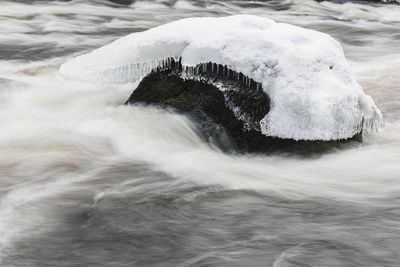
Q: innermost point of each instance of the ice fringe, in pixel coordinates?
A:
(304, 72)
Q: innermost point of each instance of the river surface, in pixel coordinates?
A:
(88, 181)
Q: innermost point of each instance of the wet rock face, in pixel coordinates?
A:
(208, 108)
(205, 104)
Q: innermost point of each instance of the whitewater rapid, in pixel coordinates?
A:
(86, 180)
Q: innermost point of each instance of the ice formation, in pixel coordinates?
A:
(304, 72)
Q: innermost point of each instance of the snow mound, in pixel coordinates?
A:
(313, 94)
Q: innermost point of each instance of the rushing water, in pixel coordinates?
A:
(87, 181)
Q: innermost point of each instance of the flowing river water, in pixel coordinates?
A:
(88, 181)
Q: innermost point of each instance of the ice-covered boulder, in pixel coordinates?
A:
(313, 94)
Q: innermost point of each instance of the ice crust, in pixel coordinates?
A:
(313, 94)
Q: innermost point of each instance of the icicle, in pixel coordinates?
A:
(177, 65)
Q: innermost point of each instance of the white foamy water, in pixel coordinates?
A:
(86, 180)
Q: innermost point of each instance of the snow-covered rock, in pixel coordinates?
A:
(313, 94)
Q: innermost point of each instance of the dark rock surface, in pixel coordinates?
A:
(204, 103)
(206, 106)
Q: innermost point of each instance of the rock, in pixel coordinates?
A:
(207, 107)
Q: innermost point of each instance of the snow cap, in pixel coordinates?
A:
(313, 94)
